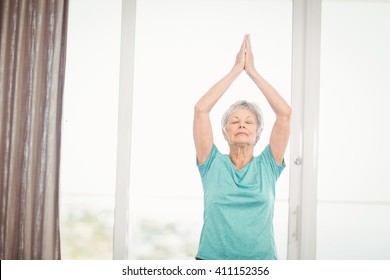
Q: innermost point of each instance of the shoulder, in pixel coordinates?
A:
(213, 156)
(268, 162)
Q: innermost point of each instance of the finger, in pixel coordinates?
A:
(248, 44)
(243, 45)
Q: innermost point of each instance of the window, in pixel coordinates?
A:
(354, 137)
(89, 129)
(183, 48)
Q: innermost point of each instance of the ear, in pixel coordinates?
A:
(224, 134)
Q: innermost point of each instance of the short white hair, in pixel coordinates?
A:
(243, 104)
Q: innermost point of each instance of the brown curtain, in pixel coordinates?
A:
(32, 62)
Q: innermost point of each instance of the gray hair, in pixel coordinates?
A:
(242, 104)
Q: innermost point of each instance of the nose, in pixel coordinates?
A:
(242, 125)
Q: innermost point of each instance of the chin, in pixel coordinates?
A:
(239, 143)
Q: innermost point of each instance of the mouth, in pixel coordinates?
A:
(241, 133)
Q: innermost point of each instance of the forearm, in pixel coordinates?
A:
(207, 101)
(276, 101)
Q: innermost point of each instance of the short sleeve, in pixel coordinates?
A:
(269, 161)
(204, 167)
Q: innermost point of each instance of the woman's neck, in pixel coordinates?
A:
(240, 155)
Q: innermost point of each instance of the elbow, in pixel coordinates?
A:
(200, 108)
(197, 108)
(286, 113)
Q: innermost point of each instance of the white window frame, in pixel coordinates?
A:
(304, 129)
(126, 78)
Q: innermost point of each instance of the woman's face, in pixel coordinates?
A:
(241, 128)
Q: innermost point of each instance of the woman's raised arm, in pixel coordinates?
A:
(281, 129)
(202, 131)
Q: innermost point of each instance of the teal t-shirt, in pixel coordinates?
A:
(238, 207)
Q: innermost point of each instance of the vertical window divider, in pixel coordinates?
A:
(126, 79)
(304, 126)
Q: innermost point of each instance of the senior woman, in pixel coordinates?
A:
(239, 188)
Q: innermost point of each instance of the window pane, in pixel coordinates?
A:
(353, 183)
(353, 231)
(89, 129)
(182, 49)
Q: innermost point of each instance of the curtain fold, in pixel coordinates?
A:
(32, 68)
